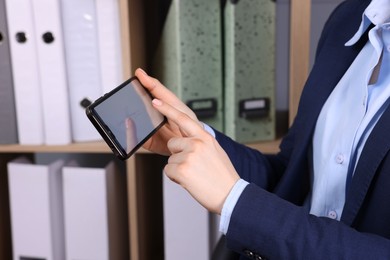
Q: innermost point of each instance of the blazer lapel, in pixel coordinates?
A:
(374, 151)
(332, 61)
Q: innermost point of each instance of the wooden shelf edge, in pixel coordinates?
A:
(266, 147)
(101, 147)
(82, 147)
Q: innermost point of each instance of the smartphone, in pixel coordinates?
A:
(125, 117)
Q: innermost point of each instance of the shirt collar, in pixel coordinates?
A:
(377, 13)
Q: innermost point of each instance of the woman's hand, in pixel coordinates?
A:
(158, 142)
(197, 162)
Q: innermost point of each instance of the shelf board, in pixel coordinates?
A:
(266, 147)
(82, 147)
(270, 147)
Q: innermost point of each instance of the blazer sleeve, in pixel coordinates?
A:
(252, 165)
(272, 228)
(263, 224)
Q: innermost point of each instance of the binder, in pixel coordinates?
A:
(189, 229)
(95, 213)
(82, 63)
(108, 27)
(188, 58)
(249, 27)
(52, 71)
(8, 130)
(36, 210)
(25, 71)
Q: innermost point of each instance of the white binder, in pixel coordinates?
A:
(110, 51)
(95, 213)
(25, 71)
(51, 59)
(82, 63)
(36, 210)
(189, 229)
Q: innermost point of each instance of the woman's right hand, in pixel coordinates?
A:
(158, 142)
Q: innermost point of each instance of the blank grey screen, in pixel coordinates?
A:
(129, 103)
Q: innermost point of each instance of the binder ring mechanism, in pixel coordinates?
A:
(254, 108)
(21, 37)
(48, 37)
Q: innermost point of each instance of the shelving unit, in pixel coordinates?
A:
(144, 178)
(299, 51)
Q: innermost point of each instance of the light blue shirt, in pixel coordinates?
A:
(361, 95)
(346, 121)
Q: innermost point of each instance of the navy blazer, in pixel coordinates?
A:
(269, 220)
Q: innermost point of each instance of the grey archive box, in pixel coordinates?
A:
(189, 57)
(8, 121)
(249, 27)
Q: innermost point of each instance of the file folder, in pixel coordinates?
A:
(110, 50)
(8, 130)
(249, 27)
(95, 213)
(52, 71)
(82, 63)
(25, 71)
(189, 57)
(189, 229)
(36, 210)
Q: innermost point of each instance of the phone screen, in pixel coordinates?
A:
(125, 117)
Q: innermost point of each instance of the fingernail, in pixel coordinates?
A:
(157, 102)
(143, 71)
(128, 123)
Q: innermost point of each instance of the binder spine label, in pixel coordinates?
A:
(254, 108)
(204, 108)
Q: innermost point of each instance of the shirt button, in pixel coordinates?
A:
(249, 253)
(258, 257)
(332, 214)
(340, 158)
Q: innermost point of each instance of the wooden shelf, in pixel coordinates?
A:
(101, 147)
(80, 147)
(266, 147)
(83, 147)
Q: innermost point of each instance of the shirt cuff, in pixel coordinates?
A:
(230, 203)
(208, 129)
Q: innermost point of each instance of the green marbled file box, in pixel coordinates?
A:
(249, 27)
(188, 59)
